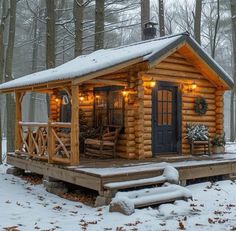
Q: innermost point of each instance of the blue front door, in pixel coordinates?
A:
(164, 117)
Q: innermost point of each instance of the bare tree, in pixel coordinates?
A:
(4, 14)
(78, 18)
(8, 76)
(51, 34)
(145, 15)
(161, 18)
(216, 30)
(232, 108)
(99, 25)
(197, 21)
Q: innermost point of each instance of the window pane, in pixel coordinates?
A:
(169, 119)
(165, 119)
(159, 95)
(169, 107)
(169, 96)
(159, 119)
(165, 107)
(165, 95)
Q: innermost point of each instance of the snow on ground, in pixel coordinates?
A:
(30, 207)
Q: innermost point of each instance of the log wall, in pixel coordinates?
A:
(177, 69)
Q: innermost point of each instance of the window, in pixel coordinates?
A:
(108, 106)
(164, 107)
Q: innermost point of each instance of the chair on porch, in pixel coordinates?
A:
(105, 145)
(197, 135)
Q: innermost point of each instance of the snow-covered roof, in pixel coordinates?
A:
(99, 60)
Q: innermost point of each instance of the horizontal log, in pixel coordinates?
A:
(147, 111)
(219, 104)
(147, 117)
(172, 59)
(177, 67)
(197, 118)
(148, 154)
(147, 97)
(199, 94)
(147, 104)
(193, 113)
(186, 106)
(147, 148)
(187, 99)
(220, 93)
(147, 142)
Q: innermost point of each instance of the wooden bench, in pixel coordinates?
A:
(105, 145)
(205, 143)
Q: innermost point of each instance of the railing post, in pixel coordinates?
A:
(18, 141)
(50, 142)
(75, 125)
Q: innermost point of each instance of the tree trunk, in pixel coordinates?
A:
(161, 18)
(51, 34)
(8, 76)
(51, 38)
(197, 21)
(216, 30)
(34, 65)
(99, 25)
(145, 15)
(78, 17)
(232, 106)
(2, 57)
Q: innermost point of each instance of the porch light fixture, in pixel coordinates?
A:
(81, 98)
(152, 84)
(149, 84)
(125, 92)
(194, 86)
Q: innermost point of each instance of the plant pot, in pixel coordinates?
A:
(218, 149)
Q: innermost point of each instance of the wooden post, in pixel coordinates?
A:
(75, 125)
(50, 135)
(18, 140)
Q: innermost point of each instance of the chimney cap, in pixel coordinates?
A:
(150, 24)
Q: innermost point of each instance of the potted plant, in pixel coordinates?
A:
(218, 143)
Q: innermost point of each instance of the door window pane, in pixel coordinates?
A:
(164, 107)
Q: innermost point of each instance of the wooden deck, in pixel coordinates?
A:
(94, 173)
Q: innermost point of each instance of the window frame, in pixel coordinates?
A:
(107, 90)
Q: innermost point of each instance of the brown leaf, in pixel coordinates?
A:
(181, 226)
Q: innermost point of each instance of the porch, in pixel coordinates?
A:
(95, 173)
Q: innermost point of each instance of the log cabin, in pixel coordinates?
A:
(148, 89)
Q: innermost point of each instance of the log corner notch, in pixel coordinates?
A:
(74, 124)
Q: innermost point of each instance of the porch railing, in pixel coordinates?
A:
(46, 141)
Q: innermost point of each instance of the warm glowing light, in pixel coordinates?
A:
(125, 93)
(152, 84)
(97, 96)
(194, 86)
(57, 100)
(81, 98)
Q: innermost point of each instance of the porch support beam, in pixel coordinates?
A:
(74, 124)
(18, 119)
(107, 82)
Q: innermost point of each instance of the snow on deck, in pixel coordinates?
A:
(150, 166)
(98, 60)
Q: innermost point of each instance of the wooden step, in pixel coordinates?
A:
(125, 202)
(170, 174)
